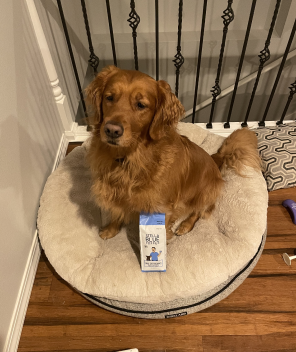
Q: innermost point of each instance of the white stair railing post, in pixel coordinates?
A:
(60, 98)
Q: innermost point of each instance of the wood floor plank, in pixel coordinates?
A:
(278, 196)
(42, 284)
(109, 336)
(267, 343)
(127, 347)
(62, 293)
(271, 264)
(47, 314)
(279, 221)
(281, 242)
(198, 324)
(256, 295)
(144, 349)
(72, 145)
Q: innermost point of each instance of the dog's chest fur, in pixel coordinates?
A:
(138, 182)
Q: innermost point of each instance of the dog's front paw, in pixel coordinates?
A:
(108, 233)
(184, 228)
(187, 225)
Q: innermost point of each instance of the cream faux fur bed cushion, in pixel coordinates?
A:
(215, 250)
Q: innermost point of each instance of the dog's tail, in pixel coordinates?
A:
(238, 150)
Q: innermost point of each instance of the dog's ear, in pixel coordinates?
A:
(94, 93)
(169, 111)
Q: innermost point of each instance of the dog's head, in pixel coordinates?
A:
(129, 106)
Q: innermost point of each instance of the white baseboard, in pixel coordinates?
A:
(23, 298)
(61, 151)
(22, 302)
(77, 134)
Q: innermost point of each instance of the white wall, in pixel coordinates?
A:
(30, 132)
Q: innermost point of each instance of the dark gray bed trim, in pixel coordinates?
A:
(221, 293)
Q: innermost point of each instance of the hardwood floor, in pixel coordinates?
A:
(258, 316)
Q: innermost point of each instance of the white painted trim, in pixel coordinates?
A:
(22, 302)
(77, 134)
(80, 134)
(62, 150)
(19, 314)
(61, 100)
(218, 127)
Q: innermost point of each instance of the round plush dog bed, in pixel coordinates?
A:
(203, 266)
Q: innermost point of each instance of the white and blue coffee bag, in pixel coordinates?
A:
(153, 242)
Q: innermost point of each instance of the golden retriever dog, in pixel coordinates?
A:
(139, 162)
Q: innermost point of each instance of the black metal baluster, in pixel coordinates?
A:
(157, 40)
(262, 122)
(264, 56)
(134, 21)
(227, 124)
(179, 59)
(111, 32)
(292, 92)
(227, 19)
(199, 56)
(93, 59)
(71, 55)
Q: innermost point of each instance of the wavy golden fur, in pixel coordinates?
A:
(138, 160)
(240, 149)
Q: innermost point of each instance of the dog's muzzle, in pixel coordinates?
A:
(113, 131)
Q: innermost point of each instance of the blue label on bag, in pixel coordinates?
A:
(152, 219)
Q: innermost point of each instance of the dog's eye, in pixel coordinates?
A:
(140, 105)
(109, 97)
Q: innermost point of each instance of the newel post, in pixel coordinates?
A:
(60, 99)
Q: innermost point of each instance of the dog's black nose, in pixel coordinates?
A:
(113, 129)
